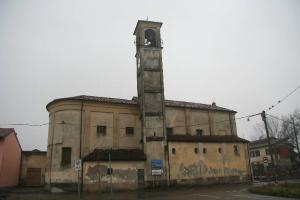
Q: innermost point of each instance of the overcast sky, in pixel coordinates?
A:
(244, 55)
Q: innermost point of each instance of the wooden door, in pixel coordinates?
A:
(34, 176)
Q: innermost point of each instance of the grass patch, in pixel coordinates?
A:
(282, 190)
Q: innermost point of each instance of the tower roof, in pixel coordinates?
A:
(146, 23)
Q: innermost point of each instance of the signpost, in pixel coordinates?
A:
(77, 165)
(265, 160)
(78, 168)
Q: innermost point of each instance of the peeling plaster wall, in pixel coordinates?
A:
(64, 131)
(186, 164)
(124, 177)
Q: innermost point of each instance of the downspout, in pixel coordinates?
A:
(169, 182)
(52, 147)
(80, 148)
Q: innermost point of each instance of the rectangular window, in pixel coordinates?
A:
(66, 156)
(129, 130)
(199, 132)
(252, 154)
(101, 130)
(169, 131)
(257, 153)
(236, 150)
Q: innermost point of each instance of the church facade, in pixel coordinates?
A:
(146, 141)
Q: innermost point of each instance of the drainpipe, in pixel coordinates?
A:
(80, 148)
(169, 170)
(52, 148)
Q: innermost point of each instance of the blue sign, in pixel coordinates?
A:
(156, 164)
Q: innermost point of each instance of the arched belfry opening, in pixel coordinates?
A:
(150, 38)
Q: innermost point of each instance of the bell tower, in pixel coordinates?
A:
(150, 88)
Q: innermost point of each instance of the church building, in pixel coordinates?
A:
(118, 144)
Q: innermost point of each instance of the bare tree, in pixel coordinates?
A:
(291, 127)
(285, 127)
(273, 125)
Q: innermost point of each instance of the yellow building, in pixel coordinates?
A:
(146, 141)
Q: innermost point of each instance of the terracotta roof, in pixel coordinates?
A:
(273, 141)
(35, 151)
(206, 138)
(5, 132)
(169, 103)
(116, 155)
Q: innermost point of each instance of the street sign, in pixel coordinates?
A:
(265, 159)
(156, 164)
(157, 172)
(77, 165)
(156, 167)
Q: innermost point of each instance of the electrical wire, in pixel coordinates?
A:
(284, 98)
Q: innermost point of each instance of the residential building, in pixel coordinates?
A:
(10, 158)
(283, 155)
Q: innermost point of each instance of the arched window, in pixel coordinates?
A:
(150, 40)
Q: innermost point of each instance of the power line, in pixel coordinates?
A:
(284, 98)
(275, 117)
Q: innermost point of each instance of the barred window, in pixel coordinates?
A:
(66, 156)
(129, 130)
(199, 132)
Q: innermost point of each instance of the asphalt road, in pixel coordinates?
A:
(228, 192)
(213, 192)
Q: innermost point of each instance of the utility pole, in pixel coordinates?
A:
(263, 116)
(295, 132)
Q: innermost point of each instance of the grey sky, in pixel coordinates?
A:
(244, 55)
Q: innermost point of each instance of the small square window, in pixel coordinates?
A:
(199, 132)
(204, 150)
(220, 150)
(196, 150)
(101, 130)
(109, 171)
(173, 150)
(129, 130)
(257, 153)
(169, 131)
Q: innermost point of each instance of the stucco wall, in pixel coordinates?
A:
(118, 117)
(186, 164)
(10, 155)
(33, 160)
